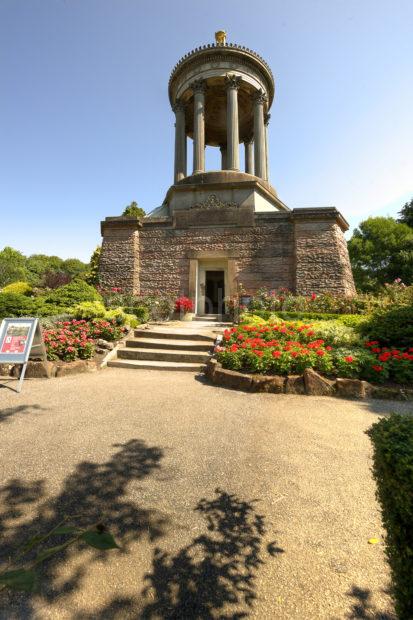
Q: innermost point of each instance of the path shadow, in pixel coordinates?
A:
(215, 571)
(95, 491)
(9, 412)
(363, 607)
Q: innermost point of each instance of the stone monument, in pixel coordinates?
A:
(219, 229)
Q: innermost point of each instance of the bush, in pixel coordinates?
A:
(335, 333)
(20, 288)
(392, 440)
(15, 305)
(55, 279)
(141, 313)
(49, 322)
(392, 328)
(73, 293)
(89, 310)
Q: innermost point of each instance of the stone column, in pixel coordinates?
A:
(198, 88)
(232, 84)
(249, 155)
(180, 141)
(259, 133)
(266, 123)
(223, 149)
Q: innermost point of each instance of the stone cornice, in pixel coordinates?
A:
(221, 52)
(320, 213)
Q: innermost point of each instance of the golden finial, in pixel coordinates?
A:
(221, 37)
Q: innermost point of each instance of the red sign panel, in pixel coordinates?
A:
(15, 338)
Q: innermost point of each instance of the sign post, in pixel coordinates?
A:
(18, 338)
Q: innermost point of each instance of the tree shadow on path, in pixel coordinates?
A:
(363, 607)
(217, 571)
(97, 492)
(9, 412)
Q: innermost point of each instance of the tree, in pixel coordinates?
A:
(12, 266)
(74, 267)
(381, 250)
(406, 214)
(39, 265)
(133, 210)
(92, 276)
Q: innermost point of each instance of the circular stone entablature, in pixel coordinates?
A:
(212, 63)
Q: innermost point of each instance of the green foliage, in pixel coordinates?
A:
(73, 293)
(141, 313)
(25, 578)
(392, 440)
(12, 266)
(351, 320)
(15, 305)
(406, 214)
(335, 333)
(49, 322)
(133, 210)
(92, 276)
(381, 250)
(89, 310)
(392, 327)
(21, 288)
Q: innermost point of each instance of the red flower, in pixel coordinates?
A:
(377, 368)
(320, 353)
(313, 296)
(276, 354)
(233, 348)
(259, 353)
(349, 359)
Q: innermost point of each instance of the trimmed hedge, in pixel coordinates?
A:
(18, 288)
(392, 440)
(73, 293)
(15, 304)
(351, 320)
(392, 328)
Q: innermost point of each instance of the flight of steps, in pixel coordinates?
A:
(154, 349)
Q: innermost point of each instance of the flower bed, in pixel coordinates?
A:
(76, 339)
(290, 348)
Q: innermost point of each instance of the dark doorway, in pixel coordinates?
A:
(214, 292)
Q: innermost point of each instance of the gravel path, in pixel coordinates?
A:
(226, 505)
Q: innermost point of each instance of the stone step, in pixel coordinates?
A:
(172, 334)
(163, 343)
(156, 365)
(207, 317)
(162, 355)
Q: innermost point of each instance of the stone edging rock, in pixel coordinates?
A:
(310, 383)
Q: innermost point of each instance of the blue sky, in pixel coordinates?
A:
(86, 126)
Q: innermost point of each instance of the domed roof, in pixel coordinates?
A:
(231, 53)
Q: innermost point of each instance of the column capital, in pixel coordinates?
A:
(249, 139)
(259, 97)
(179, 106)
(198, 86)
(267, 118)
(233, 81)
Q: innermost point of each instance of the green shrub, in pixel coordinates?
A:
(141, 313)
(73, 293)
(15, 305)
(335, 333)
(49, 322)
(356, 321)
(131, 320)
(20, 288)
(392, 440)
(42, 308)
(89, 310)
(392, 328)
